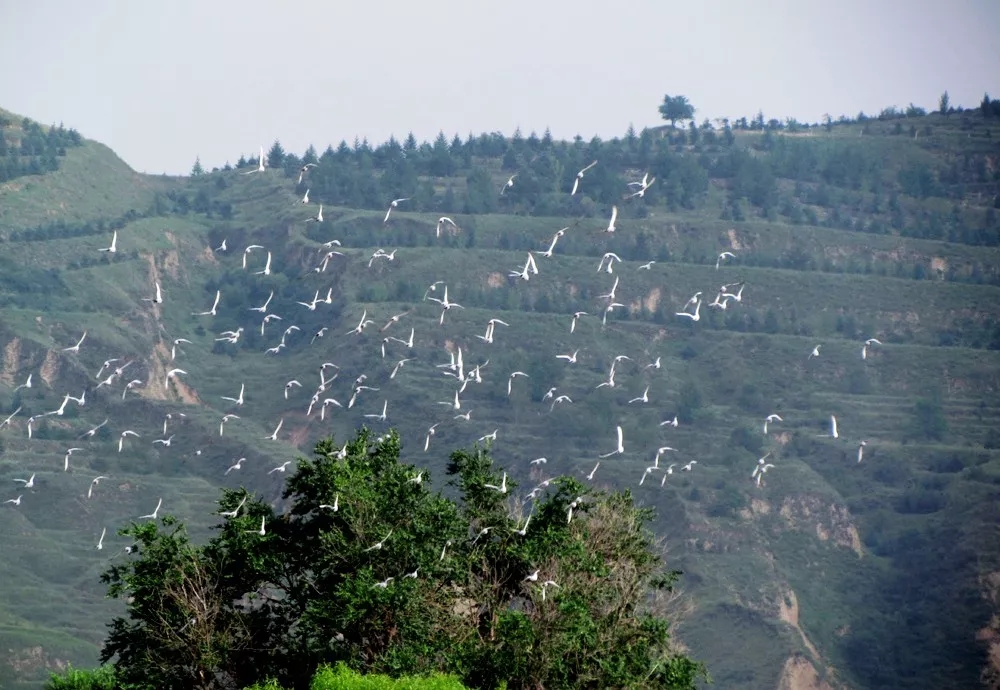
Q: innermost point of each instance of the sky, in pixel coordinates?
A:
(163, 83)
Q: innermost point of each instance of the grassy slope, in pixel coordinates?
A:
(743, 548)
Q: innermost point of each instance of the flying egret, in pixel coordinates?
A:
(569, 358)
(443, 219)
(121, 438)
(29, 483)
(503, 485)
(114, 244)
(100, 542)
(76, 348)
(158, 299)
(165, 442)
(152, 516)
(377, 546)
(15, 501)
(868, 343)
(69, 452)
(215, 304)
(260, 164)
(771, 418)
(510, 379)
(555, 238)
(289, 385)
(86, 434)
(393, 204)
(93, 483)
(394, 319)
(283, 467)
(620, 448)
(697, 312)
(237, 466)
(723, 255)
(579, 176)
(576, 316)
(173, 348)
(260, 531)
(833, 427)
(267, 267)
(644, 398)
(861, 450)
(274, 434)
(611, 223)
(815, 352)
(547, 584)
(508, 184)
(237, 400)
(382, 415)
(427, 439)
(263, 308)
(235, 511)
(303, 170)
(318, 218)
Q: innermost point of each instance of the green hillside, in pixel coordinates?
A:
(863, 575)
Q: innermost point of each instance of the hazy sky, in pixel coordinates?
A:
(163, 82)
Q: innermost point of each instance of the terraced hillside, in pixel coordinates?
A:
(831, 571)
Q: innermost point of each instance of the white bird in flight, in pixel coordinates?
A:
(114, 244)
(771, 418)
(274, 434)
(579, 176)
(94, 482)
(620, 448)
(215, 304)
(158, 299)
(393, 204)
(611, 223)
(260, 164)
(697, 312)
(171, 374)
(723, 255)
(319, 216)
(76, 348)
(152, 516)
(121, 438)
(237, 400)
(29, 483)
(868, 343)
(441, 220)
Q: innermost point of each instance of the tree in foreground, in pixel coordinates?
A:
(365, 565)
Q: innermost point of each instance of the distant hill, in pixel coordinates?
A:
(831, 572)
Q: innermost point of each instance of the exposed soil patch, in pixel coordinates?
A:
(50, 367)
(11, 361)
(799, 674)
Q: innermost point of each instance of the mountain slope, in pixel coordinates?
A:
(810, 570)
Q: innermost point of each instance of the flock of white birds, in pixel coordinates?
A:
(113, 370)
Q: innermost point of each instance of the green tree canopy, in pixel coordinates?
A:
(676, 108)
(365, 565)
